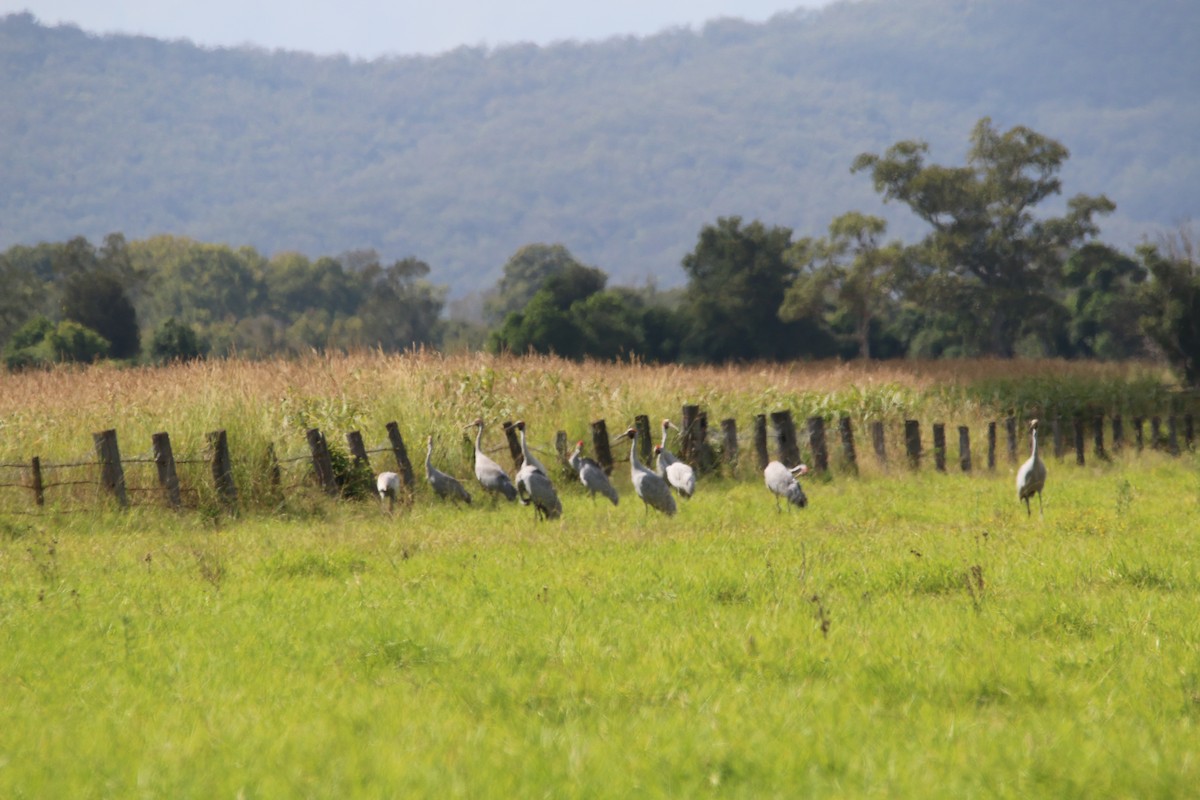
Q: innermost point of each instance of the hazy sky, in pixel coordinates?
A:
(370, 28)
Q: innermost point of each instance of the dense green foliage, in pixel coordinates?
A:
(620, 149)
(912, 635)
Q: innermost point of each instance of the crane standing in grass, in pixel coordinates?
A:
(651, 487)
(444, 486)
(534, 486)
(782, 482)
(387, 484)
(678, 474)
(592, 476)
(489, 474)
(1031, 477)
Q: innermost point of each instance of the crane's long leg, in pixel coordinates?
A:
(1041, 513)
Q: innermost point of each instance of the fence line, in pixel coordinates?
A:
(775, 432)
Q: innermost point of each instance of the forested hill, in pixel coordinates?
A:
(621, 150)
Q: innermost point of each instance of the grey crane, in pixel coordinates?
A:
(592, 476)
(387, 484)
(527, 456)
(681, 476)
(782, 482)
(489, 474)
(1031, 477)
(534, 486)
(651, 487)
(444, 486)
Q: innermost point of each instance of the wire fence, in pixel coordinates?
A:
(829, 446)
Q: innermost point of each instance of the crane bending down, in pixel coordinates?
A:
(444, 486)
(387, 484)
(680, 475)
(651, 487)
(782, 482)
(1031, 477)
(534, 486)
(489, 474)
(592, 476)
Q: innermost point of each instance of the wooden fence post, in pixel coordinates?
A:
(847, 433)
(964, 448)
(645, 443)
(39, 488)
(164, 460)
(729, 442)
(401, 453)
(1139, 438)
(1098, 438)
(785, 437)
(879, 442)
(1010, 430)
(912, 442)
(1056, 432)
(601, 446)
(514, 444)
(222, 469)
(760, 441)
(1155, 432)
(689, 444)
(816, 441)
(1079, 441)
(112, 474)
(1189, 432)
(939, 446)
(1172, 436)
(274, 473)
(991, 446)
(358, 451)
(560, 447)
(1118, 434)
(322, 464)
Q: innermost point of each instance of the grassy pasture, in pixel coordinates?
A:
(908, 634)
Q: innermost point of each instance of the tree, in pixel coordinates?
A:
(524, 274)
(847, 279)
(737, 279)
(993, 264)
(1172, 298)
(174, 341)
(71, 341)
(400, 309)
(1104, 303)
(96, 300)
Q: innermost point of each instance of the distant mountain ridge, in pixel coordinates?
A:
(621, 150)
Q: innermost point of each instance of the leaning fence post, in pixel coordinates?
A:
(991, 446)
(164, 460)
(1189, 431)
(322, 464)
(760, 440)
(689, 445)
(879, 442)
(816, 441)
(514, 444)
(274, 473)
(785, 437)
(1172, 436)
(358, 450)
(1118, 434)
(39, 488)
(641, 423)
(939, 446)
(222, 469)
(1139, 434)
(848, 452)
(112, 474)
(1098, 438)
(1079, 441)
(1155, 432)
(912, 442)
(401, 453)
(1010, 429)
(964, 448)
(729, 442)
(601, 446)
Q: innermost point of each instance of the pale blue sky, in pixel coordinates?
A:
(371, 28)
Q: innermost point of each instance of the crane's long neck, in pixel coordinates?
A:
(634, 463)
(664, 441)
(429, 454)
(479, 438)
(1035, 444)
(524, 447)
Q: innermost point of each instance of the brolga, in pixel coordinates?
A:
(591, 475)
(534, 486)
(444, 486)
(489, 474)
(681, 476)
(782, 482)
(387, 484)
(1031, 477)
(648, 484)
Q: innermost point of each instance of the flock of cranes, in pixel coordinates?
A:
(533, 486)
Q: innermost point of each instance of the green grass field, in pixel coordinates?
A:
(907, 635)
